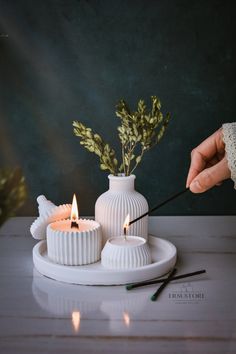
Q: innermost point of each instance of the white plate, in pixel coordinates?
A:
(163, 252)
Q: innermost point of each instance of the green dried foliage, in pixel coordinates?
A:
(12, 192)
(138, 132)
(94, 143)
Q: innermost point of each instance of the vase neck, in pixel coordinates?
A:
(121, 184)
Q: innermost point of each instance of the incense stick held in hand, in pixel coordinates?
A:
(159, 205)
(163, 285)
(157, 281)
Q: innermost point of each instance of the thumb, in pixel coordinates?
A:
(210, 177)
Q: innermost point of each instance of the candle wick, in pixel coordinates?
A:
(74, 224)
(124, 233)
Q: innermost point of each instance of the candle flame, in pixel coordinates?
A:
(126, 224)
(74, 216)
(76, 320)
(126, 319)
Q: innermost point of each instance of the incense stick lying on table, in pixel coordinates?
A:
(163, 285)
(159, 205)
(157, 281)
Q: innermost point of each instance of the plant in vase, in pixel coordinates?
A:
(138, 132)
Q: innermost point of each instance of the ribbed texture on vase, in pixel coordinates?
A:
(121, 257)
(75, 247)
(112, 207)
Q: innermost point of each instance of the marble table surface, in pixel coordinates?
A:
(197, 315)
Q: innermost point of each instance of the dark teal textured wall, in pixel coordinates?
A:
(62, 60)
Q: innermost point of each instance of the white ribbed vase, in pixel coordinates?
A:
(112, 207)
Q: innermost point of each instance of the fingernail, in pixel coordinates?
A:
(195, 186)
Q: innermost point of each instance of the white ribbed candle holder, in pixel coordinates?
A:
(120, 253)
(74, 246)
(112, 207)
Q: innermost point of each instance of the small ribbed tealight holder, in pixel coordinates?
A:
(74, 246)
(120, 253)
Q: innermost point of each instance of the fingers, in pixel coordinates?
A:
(198, 163)
(212, 145)
(210, 177)
(210, 148)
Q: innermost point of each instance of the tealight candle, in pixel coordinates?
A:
(129, 241)
(74, 241)
(126, 251)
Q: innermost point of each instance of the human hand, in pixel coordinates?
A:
(209, 165)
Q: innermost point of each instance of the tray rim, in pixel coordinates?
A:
(77, 274)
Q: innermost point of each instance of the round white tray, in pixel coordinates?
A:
(163, 254)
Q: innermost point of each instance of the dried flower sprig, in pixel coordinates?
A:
(138, 132)
(94, 143)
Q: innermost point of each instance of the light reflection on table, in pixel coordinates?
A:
(77, 301)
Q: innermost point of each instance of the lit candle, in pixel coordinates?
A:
(126, 225)
(127, 240)
(74, 217)
(126, 251)
(74, 241)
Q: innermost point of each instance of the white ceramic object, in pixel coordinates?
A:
(45, 206)
(163, 254)
(121, 253)
(48, 213)
(74, 246)
(112, 207)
